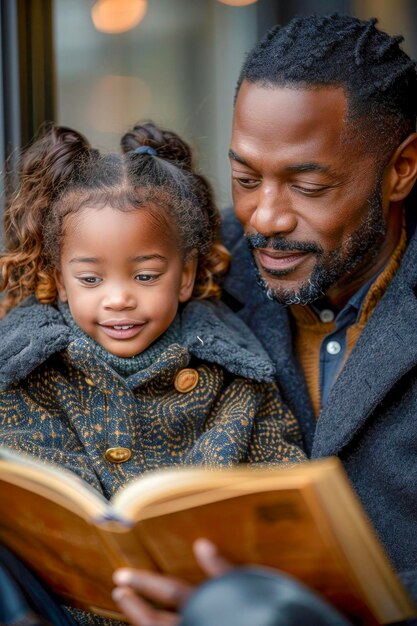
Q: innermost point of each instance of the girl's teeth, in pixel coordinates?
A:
(123, 327)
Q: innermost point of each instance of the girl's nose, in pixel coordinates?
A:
(119, 299)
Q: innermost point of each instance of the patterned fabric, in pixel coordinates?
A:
(60, 402)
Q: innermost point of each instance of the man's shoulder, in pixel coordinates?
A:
(240, 279)
(231, 229)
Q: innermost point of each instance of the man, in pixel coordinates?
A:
(323, 157)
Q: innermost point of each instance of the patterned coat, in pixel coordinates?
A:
(206, 400)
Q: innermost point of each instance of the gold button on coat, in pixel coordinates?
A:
(186, 380)
(118, 455)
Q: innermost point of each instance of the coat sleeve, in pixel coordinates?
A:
(36, 429)
(276, 436)
(249, 423)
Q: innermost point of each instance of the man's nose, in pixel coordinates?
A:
(273, 214)
(118, 298)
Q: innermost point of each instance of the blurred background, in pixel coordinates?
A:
(102, 65)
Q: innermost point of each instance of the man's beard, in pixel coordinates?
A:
(363, 243)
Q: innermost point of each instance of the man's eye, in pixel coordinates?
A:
(90, 280)
(247, 183)
(310, 191)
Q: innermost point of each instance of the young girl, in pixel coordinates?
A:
(115, 356)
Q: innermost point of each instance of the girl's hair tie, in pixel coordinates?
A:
(146, 150)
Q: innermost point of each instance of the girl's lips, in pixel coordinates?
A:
(122, 331)
(276, 260)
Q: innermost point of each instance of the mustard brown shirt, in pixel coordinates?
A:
(324, 339)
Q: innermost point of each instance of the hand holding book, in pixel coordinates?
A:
(246, 596)
(138, 591)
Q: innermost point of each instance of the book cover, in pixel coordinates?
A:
(304, 520)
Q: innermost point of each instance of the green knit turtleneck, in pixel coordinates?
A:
(131, 365)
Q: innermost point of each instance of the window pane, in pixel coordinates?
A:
(178, 67)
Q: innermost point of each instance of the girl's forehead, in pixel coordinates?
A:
(140, 227)
(101, 216)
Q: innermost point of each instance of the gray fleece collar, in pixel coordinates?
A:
(213, 333)
(29, 335)
(33, 332)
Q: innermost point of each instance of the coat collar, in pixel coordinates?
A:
(33, 332)
(213, 333)
(29, 335)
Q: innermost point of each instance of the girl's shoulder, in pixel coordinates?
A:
(214, 333)
(29, 334)
(30, 312)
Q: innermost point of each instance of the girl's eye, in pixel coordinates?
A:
(146, 278)
(90, 280)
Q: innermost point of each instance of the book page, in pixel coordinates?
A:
(66, 532)
(164, 487)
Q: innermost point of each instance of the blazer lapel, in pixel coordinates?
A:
(386, 350)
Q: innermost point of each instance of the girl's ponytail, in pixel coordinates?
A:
(149, 141)
(214, 263)
(46, 169)
(166, 144)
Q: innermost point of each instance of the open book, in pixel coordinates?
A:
(303, 519)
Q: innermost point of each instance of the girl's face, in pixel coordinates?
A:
(123, 277)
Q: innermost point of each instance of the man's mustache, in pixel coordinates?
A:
(257, 241)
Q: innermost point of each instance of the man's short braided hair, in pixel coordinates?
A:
(379, 78)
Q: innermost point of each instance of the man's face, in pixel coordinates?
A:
(309, 199)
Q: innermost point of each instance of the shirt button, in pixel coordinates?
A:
(326, 315)
(118, 455)
(186, 380)
(333, 347)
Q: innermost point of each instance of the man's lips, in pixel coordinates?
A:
(121, 329)
(280, 259)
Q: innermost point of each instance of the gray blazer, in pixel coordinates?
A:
(370, 420)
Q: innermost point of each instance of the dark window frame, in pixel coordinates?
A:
(27, 78)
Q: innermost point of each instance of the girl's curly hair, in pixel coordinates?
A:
(61, 173)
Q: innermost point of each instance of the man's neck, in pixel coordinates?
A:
(341, 292)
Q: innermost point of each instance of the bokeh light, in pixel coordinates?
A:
(118, 16)
(238, 3)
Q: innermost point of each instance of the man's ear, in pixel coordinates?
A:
(189, 272)
(401, 172)
(62, 292)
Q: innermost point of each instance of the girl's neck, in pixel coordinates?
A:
(127, 366)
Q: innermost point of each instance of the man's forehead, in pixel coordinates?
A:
(270, 115)
(291, 103)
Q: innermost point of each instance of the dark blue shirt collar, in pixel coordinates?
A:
(352, 309)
